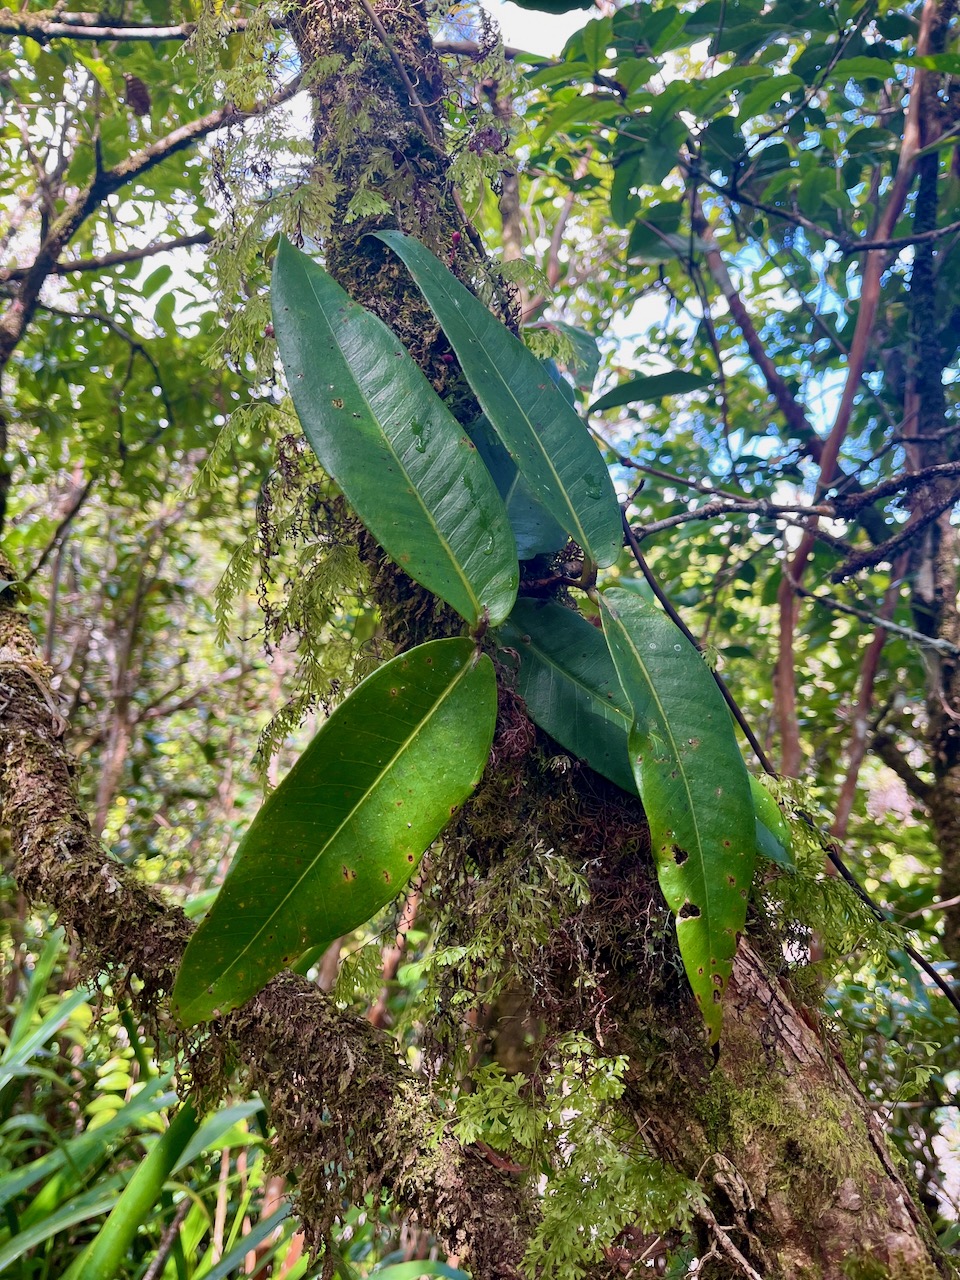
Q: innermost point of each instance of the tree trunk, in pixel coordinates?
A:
(796, 1179)
(788, 1152)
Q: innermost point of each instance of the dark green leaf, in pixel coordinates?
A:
(568, 681)
(345, 830)
(554, 6)
(694, 787)
(651, 388)
(406, 466)
(542, 433)
(534, 529)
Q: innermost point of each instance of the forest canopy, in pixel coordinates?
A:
(479, 685)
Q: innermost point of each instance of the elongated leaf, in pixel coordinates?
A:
(568, 681)
(569, 684)
(694, 787)
(345, 830)
(82, 1150)
(534, 529)
(407, 467)
(91, 1205)
(541, 432)
(105, 1252)
(232, 1261)
(674, 383)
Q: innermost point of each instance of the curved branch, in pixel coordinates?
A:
(118, 259)
(104, 183)
(323, 1072)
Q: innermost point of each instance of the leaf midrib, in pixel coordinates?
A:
(683, 773)
(591, 692)
(465, 670)
(471, 595)
(581, 535)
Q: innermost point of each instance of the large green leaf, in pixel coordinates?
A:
(570, 686)
(345, 830)
(568, 681)
(652, 388)
(694, 787)
(407, 467)
(540, 430)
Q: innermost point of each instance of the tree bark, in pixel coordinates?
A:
(796, 1179)
(778, 1109)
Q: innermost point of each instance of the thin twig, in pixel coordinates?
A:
(167, 1240)
(117, 259)
(876, 620)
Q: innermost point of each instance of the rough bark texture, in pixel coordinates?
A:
(936, 558)
(797, 1179)
(778, 1115)
(325, 1075)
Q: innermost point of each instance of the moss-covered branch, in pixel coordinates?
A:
(341, 1102)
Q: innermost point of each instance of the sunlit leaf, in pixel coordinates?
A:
(407, 467)
(345, 830)
(540, 430)
(774, 839)
(652, 388)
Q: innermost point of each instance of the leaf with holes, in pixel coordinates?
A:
(569, 684)
(345, 830)
(406, 466)
(538, 428)
(694, 787)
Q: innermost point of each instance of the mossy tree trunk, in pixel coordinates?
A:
(796, 1172)
(796, 1178)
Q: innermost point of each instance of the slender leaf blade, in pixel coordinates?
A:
(651, 388)
(774, 838)
(405, 464)
(345, 830)
(694, 787)
(539, 429)
(569, 684)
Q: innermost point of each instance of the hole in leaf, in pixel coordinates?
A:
(689, 911)
(679, 855)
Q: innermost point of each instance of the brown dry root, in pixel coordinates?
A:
(350, 1118)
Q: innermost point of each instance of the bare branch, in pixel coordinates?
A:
(871, 556)
(291, 1041)
(878, 620)
(120, 258)
(104, 183)
(44, 27)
